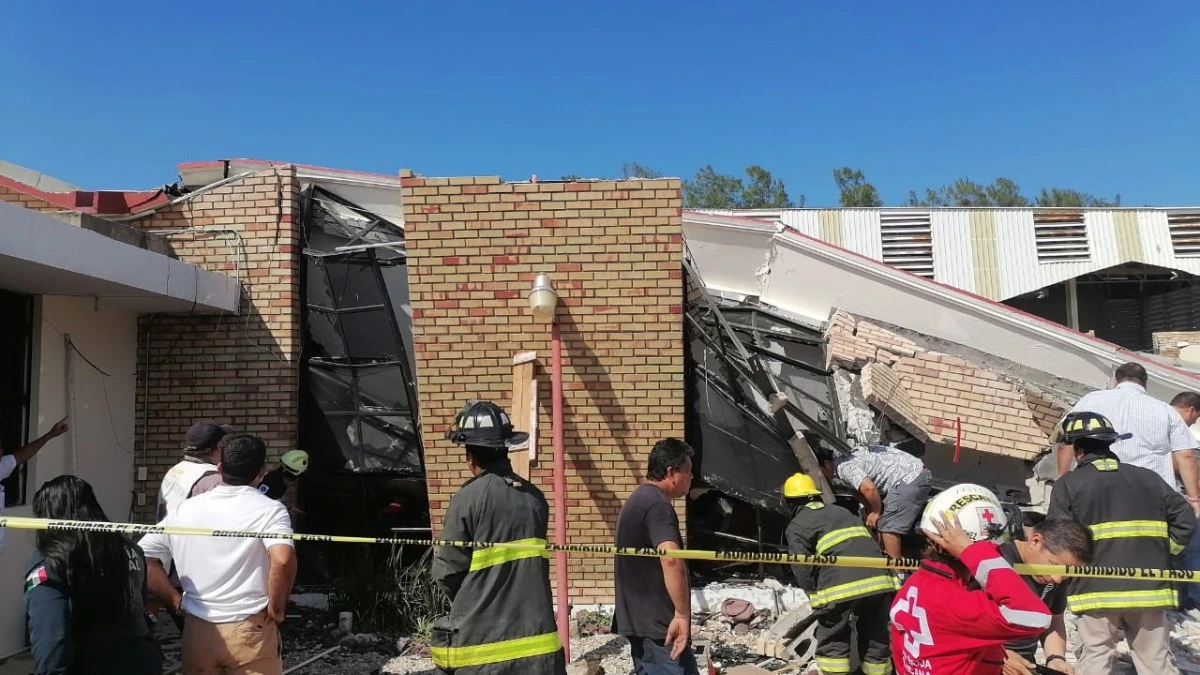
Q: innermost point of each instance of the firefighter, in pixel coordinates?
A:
(955, 613)
(501, 619)
(1137, 521)
(845, 599)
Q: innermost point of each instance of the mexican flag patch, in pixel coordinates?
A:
(36, 578)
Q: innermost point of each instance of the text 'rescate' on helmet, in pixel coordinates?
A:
(484, 424)
(294, 462)
(1092, 425)
(800, 485)
(979, 511)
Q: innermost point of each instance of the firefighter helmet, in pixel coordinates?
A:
(294, 462)
(979, 512)
(484, 424)
(800, 485)
(1084, 424)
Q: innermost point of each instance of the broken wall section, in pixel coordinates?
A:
(1005, 421)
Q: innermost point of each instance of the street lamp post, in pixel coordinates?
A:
(543, 301)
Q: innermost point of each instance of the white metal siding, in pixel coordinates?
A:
(1060, 236)
(1016, 250)
(1016, 244)
(1156, 239)
(1184, 233)
(905, 236)
(952, 260)
(860, 230)
(807, 221)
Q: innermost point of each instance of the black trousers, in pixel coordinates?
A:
(838, 623)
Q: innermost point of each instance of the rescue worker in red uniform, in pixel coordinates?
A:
(843, 598)
(501, 619)
(954, 614)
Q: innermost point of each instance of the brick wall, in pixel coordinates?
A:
(1168, 343)
(614, 252)
(929, 393)
(237, 369)
(18, 198)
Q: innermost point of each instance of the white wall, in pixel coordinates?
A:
(102, 431)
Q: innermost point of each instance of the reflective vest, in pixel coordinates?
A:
(178, 483)
(1137, 521)
(817, 529)
(501, 620)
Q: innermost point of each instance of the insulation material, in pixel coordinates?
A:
(861, 427)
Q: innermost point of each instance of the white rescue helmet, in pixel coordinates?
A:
(979, 512)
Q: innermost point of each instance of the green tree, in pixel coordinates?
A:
(854, 190)
(637, 170)
(1005, 192)
(712, 190)
(1074, 198)
(962, 192)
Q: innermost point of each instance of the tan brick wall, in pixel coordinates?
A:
(614, 252)
(238, 369)
(1167, 343)
(929, 393)
(23, 200)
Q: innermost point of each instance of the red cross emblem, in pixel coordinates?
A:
(987, 516)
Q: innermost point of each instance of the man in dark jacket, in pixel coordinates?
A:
(1136, 520)
(843, 597)
(501, 620)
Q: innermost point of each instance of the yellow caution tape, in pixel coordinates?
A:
(1088, 571)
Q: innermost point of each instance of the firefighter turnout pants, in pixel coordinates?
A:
(867, 616)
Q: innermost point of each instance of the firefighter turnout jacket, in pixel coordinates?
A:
(1136, 520)
(846, 599)
(817, 529)
(501, 620)
(943, 624)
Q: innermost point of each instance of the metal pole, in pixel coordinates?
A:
(560, 488)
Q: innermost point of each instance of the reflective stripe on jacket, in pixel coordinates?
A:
(817, 529)
(501, 621)
(1136, 519)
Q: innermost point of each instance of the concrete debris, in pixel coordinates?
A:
(777, 598)
(585, 668)
(747, 670)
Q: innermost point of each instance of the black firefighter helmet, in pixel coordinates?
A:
(484, 424)
(1084, 424)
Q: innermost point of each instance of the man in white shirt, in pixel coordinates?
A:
(235, 590)
(1161, 440)
(9, 462)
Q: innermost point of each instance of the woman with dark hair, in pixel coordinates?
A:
(84, 593)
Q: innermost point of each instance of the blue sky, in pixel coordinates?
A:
(1099, 96)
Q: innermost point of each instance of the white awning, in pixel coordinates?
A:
(42, 255)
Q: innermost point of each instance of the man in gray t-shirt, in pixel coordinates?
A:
(891, 483)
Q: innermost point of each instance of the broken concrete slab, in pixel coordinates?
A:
(709, 599)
